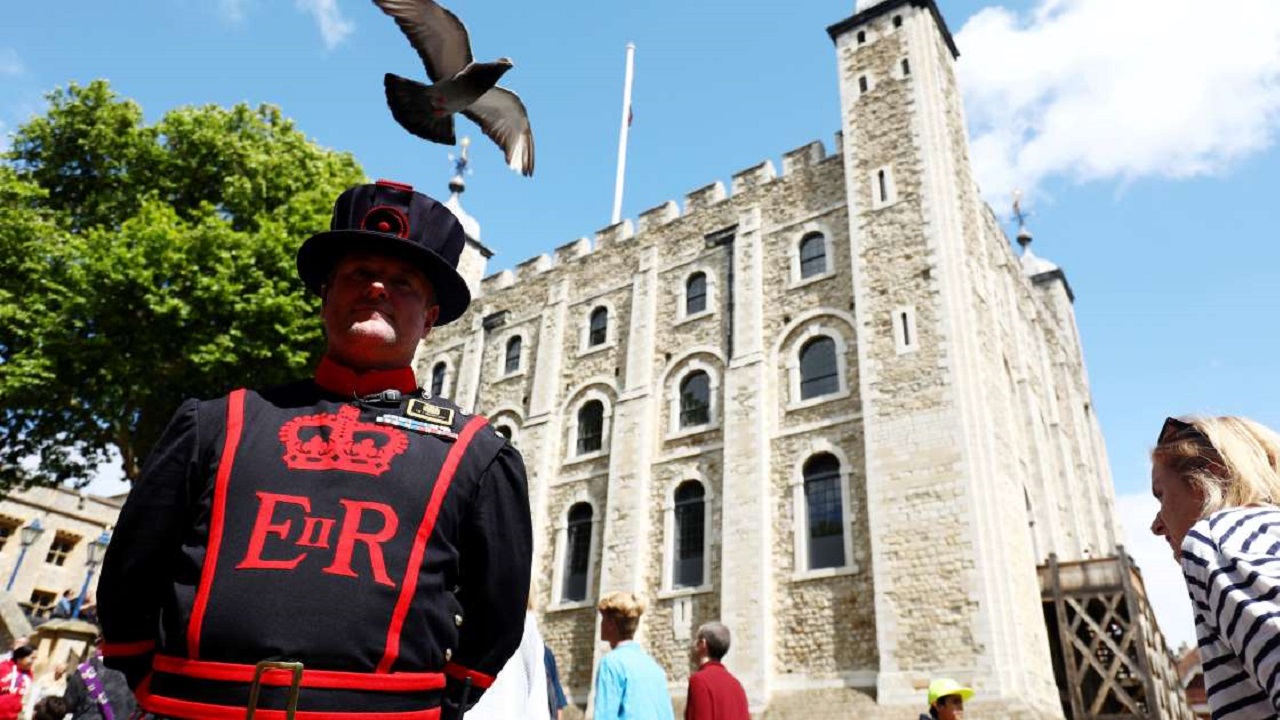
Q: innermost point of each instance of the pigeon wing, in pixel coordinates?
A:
(437, 34)
(502, 116)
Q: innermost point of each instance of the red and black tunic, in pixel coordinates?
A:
(384, 543)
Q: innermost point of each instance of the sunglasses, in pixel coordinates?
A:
(1173, 427)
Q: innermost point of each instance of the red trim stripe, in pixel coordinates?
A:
(235, 425)
(141, 647)
(457, 672)
(321, 679)
(191, 710)
(443, 481)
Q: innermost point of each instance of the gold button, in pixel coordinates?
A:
(448, 654)
(457, 620)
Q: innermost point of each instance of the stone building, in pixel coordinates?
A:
(829, 405)
(57, 559)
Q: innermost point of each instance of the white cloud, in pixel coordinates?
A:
(1160, 573)
(1105, 90)
(233, 10)
(334, 28)
(10, 63)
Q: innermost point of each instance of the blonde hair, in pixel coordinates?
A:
(1232, 461)
(625, 609)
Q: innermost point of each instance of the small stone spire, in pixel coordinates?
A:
(457, 186)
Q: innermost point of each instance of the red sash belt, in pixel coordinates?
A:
(318, 679)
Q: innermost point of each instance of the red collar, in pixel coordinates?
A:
(342, 380)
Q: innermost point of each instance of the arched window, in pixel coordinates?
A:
(577, 554)
(512, 361)
(695, 399)
(598, 329)
(824, 511)
(813, 255)
(437, 380)
(695, 294)
(590, 427)
(504, 430)
(819, 373)
(690, 539)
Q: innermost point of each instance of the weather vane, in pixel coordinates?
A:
(461, 161)
(1024, 235)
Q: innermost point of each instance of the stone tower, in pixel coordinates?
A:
(825, 403)
(945, 512)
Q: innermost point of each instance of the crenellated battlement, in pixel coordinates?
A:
(794, 162)
(704, 197)
(754, 177)
(656, 217)
(569, 252)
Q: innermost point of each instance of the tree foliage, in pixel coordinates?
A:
(143, 264)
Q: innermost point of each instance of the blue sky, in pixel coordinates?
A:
(1142, 131)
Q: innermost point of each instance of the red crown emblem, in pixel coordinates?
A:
(340, 442)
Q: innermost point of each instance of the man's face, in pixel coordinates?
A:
(1181, 504)
(376, 309)
(608, 628)
(26, 662)
(699, 650)
(950, 707)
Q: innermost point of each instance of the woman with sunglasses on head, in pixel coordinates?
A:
(1218, 484)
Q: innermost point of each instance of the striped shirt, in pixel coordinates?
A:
(1231, 562)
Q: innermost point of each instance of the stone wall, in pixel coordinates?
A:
(962, 448)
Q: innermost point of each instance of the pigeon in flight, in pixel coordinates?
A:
(461, 84)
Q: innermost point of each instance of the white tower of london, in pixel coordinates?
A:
(829, 405)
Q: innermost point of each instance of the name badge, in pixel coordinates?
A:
(425, 411)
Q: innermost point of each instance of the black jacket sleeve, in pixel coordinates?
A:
(496, 548)
(138, 567)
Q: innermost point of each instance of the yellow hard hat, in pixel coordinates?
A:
(943, 687)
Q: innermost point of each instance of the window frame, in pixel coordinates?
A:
(584, 327)
(834, 376)
(670, 540)
(592, 330)
(797, 238)
(813, 326)
(906, 331)
(8, 529)
(446, 390)
(580, 399)
(696, 360)
(689, 296)
(580, 438)
(682, 291)
(507, 370)
(705, 410)
(561, 556)
(890, 194)
(60, 548)
(800, 510)
(810, 239)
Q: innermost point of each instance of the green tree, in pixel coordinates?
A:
(144, 264)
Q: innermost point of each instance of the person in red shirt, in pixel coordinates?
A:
(714, 693)
(15, 680)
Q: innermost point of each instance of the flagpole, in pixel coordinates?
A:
(622, 134)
